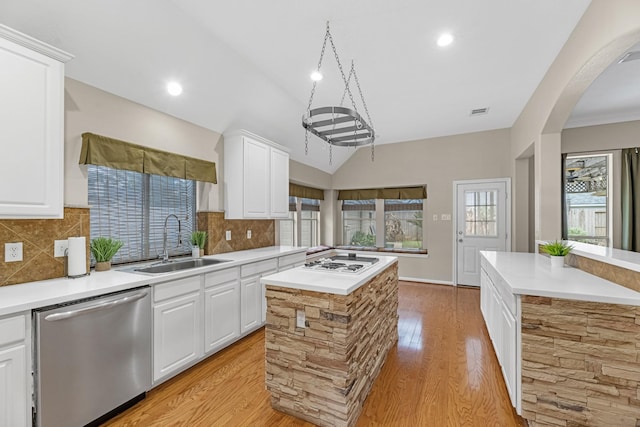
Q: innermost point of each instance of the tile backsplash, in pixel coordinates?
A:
(262, 233)
(37, 237)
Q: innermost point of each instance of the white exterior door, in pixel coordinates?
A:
(482, 221)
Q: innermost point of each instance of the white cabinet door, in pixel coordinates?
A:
(279, 184)
(509, 352)
(263, 290)
(251, 305)
(32, 112)
(256, 179)
(222, 315)
(177, 337)
(485, 294)
(13, 387)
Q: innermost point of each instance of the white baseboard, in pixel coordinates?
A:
(435, 282)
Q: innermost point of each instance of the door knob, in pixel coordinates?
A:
(460, 240)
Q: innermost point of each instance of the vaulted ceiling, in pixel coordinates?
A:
(246, 63)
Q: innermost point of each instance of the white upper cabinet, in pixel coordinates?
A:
(31, 127)
(256, 177)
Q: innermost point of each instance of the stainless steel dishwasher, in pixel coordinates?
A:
(93, 358)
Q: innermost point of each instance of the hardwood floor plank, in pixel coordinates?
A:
(442, 372)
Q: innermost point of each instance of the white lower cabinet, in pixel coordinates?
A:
(15, 408)
(509, 353)
(196, 316)
(251, 309)
(501, 314)
(252, 304)
(221, 309)
(177, 326)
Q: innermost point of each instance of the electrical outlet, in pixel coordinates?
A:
(248, 234)
(228, 235)
(60, 248)
(300, 319)
(13, 252)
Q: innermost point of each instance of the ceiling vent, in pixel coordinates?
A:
(479, 111)
(630, 56)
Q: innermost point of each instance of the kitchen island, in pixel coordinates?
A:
(567, 341)
(327, 336)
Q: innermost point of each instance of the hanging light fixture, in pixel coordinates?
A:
(338, 125)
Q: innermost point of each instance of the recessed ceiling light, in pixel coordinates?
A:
(174, 88)
(445, 39)
(316, 76)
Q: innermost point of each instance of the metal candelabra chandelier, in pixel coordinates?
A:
(338, 125)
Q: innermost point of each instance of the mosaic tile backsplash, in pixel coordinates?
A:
(37, 237)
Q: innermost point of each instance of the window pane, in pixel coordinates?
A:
(403, 223)
(132, 207)
(287, 227)
(359, 226)
(587, 199)
(309, 228)
(481, 213)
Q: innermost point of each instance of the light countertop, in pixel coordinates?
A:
(27, 296)
(327, 281)
(621, 258)
(531, 274)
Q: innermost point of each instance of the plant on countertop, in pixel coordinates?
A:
(556, 248)
(103, 249)
(199, 239)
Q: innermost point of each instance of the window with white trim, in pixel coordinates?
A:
(403, 223)
(359, 222)
(132, 207)
(302, 227)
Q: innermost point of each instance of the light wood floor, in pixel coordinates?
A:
(443, 372)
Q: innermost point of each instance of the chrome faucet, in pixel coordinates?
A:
(165, 253)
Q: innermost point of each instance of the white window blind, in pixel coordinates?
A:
(132, 207)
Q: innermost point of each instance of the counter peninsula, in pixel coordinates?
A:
(327, 336)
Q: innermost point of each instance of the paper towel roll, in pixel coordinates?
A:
(77, 256)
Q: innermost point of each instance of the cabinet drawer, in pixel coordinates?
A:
(288, 261)
(219, 277)
(13, 329)
(504, 290)
(175, 288)
(259, 267)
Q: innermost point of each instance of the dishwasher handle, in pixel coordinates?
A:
(99, 306)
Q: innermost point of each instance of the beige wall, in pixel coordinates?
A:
(88, 109)
(605, 31)
(436, 162)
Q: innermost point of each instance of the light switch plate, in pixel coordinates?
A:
(446, 217)
(435, 217)
(60, 248)
(228, 235)
(248, 234)
(13, 252)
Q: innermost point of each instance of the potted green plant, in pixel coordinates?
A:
(103, 249)
(198, 241)
(557, 250)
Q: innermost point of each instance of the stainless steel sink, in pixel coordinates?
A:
(172, 266)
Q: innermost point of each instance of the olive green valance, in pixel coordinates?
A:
(419, 192)
(296, 190)
(104, 151)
